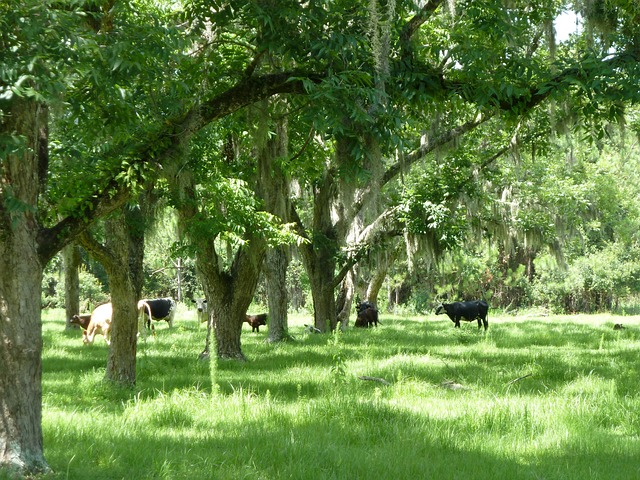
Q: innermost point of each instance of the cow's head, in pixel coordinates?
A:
(201, 304)
(440, 309)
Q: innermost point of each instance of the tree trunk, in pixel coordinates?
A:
(121, 361)
(276, 272)
(385, 262)
(274, 188)
(345, 299)
(321, 282)
(125, 239)
(71, 262)
(21, 443)
(122, 257)
(229, 294)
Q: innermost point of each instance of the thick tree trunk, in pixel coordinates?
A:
(321, 281)
(21, 442)
(228, 328)
(71, 262)
(229, 295)
(122, 257)
(276, 272)
(121, 361)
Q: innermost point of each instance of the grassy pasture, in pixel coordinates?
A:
(534, 398)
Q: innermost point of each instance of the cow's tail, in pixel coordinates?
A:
(144, 316)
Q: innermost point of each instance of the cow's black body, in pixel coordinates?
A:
(468, 311)
(367, 315)
(159, 309)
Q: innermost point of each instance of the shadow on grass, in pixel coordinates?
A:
(547, 355)
(341, 439)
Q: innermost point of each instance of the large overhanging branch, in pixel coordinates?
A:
(165, 143)
(52, 240)
(522, 104)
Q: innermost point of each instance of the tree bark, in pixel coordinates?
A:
(273, 186)
(229, 292)
(71, 261)
(276, 265)
(122, 257)
(345, 299)
(21, 442)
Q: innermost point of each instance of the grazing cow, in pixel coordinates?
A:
(367, 315)
(202, 310)
(100, 322)
(157, 309)
(311, 329)
(468, 311)
(256, 320)
(81, 320)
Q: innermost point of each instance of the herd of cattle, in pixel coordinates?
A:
(99, 321)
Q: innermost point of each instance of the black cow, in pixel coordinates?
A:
(367, 315)
(157, 309)
(468, 311)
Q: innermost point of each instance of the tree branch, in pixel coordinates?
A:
(412, 26)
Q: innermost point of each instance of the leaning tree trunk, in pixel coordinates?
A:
(345, 299)
(21, 268)
(379, 274)
(71, 263)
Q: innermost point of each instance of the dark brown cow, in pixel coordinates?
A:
(256, 320)
(367, 315)
(81, 320)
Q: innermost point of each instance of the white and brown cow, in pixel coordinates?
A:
(100, 322)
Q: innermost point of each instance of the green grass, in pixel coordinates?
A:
(538, 398)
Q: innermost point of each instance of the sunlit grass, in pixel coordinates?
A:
(534, 397)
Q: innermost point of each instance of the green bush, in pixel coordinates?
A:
(591, 283)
